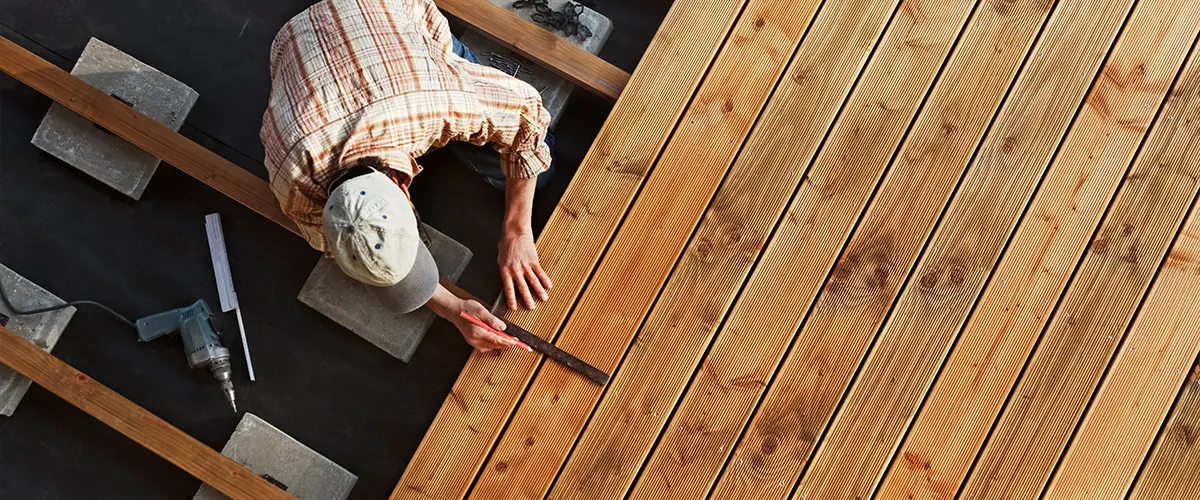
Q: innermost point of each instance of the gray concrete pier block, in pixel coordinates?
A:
(97, 152)
(553, 88)
(42, 329)
(268, 451)
(353, 305)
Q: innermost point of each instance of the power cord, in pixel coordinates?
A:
(20, 312)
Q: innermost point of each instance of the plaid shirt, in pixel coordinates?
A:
(357, 78)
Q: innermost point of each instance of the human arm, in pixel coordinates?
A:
(521, 272)
(448, 306)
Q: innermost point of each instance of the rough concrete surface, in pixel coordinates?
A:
(97, 152)
(353, 305)
(266, 450)
(42, 329)
(553, 88)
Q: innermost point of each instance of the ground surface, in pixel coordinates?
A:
(77, 238)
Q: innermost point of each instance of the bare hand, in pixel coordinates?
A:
(521, 272)
(480, 338)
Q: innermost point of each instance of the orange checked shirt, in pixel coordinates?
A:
(358, 78)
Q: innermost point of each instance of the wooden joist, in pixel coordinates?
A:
(993, 347)
(141, 131)
(133, 421)
(539, 45)
(649, 242)
(580, 228)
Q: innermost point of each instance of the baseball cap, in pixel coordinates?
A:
(371, 232)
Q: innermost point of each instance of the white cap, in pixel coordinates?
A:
(371, 230)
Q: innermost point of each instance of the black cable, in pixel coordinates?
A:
(19, 312)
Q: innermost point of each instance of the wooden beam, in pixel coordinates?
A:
(1007, 322)
(572, 242)
(133, 421)
(1073, 353)
(657, 228)
(552, 51)
(141, 131)
(1136, 396)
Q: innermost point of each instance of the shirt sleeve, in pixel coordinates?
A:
(518, 120)
(290, 178)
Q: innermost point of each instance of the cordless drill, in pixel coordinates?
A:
(201, 342)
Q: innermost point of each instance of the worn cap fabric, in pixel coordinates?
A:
(371, 232)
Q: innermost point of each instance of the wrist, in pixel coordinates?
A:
(445, 304)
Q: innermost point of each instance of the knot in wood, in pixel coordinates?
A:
(703, 250)
(1100, 245)
(929, 280)
(770, 444)
(957, 276)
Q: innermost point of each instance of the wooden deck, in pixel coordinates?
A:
(851, 249)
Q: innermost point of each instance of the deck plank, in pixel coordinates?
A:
(648, 244)
(1077, 346)
(837, 186)
(469, 421)
(699, 291)
(1042, 256)
(850, 459)
(1170, 471)
(1153, 361)
(883, 249)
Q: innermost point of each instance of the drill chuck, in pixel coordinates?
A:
(201, 342)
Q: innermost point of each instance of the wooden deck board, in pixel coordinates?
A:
(1104, 295)
(964, 248)
(486, 392)
(1170, 471)
(1155, 359)
(645, 249)
(1041, 258)
(872, 269)
(699, 291)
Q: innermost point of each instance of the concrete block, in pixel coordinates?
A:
(353, 305)
(97, 152)
(42, 329)
(287, 463)
(553, 88)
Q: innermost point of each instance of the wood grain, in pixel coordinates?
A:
(133, 421)
(539, 45)
(572, 242)
(142, 131)
(1170, 471)
(1042, 255)
(1136, 395)
(1074, 351)
(644, 251)
(951, 273)
(688, 459)
(871, 271)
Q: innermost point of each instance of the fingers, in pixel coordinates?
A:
(509, 290)
(535, 284)
(481, 312)
(541, 275)
(523, 288)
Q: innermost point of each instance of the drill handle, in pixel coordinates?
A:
(158, 325)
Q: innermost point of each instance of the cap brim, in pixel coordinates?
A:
(415, 289)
